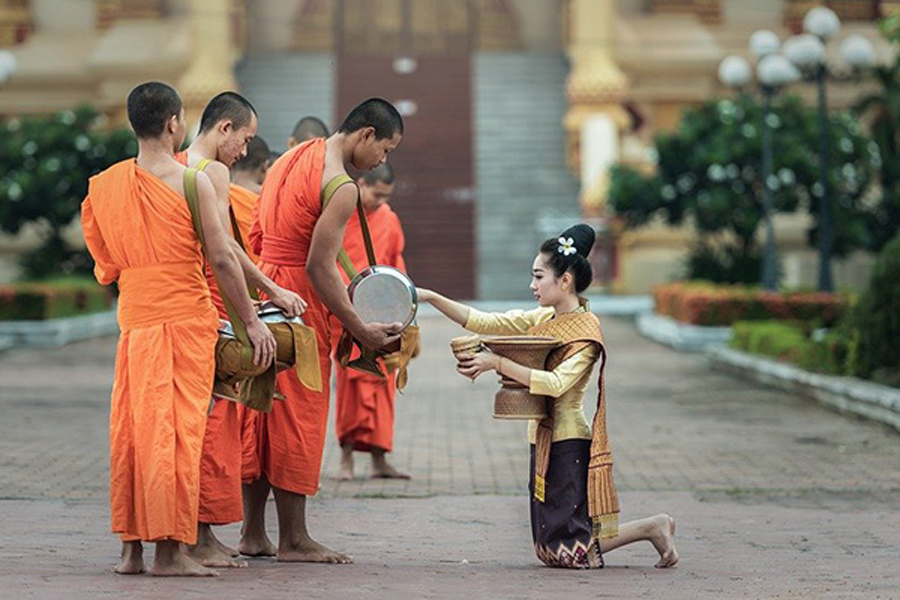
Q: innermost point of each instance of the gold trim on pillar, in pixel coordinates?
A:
(707, 11)
(15, 22)
(110, 11)
(392, 27)
(214, 53)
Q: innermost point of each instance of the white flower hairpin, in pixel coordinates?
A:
(566, 246)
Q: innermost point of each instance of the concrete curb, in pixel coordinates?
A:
(846, 394)
(681, 336)
(58, 332)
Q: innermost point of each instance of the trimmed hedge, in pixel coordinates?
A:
(712, 305)
(38, 301)
(793, 342)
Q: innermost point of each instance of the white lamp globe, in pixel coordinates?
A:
(734, 72)
(775, 71)
(8, 64)
(821, 22)
(857, 50)
(805, 50)
(764, 42)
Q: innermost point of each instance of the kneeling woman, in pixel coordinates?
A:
(574, 506)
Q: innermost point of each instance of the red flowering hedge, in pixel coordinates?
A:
(720, 305)
(49, 300)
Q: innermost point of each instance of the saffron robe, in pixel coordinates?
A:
(292, 436)
(140, 233)
(365, 403)
(229, 422)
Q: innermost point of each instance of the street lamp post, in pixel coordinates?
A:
(773, 71)
(807, 51)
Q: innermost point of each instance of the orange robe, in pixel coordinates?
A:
(140, 233)
(222, 458)
(292, 436)
(364, 403)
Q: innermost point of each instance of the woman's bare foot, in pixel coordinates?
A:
(256, 546)
(173, 562)
(311, 551)
(132, 562)
(663, 540)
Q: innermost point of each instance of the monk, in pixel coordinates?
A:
(227, 126)
(138, 228)
(297, 241)
(365, 403)
(256, 489)
(307, 128)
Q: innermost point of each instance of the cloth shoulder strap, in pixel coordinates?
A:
(193, 202)
(343, 258)
(235, 228)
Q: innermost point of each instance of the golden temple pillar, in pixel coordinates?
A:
(595, 89)
(215, 50)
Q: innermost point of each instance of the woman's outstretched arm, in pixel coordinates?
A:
(455, 311)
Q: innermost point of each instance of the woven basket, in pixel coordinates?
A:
(465, 345)
(512, 400)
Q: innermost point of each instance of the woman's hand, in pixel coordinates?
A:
(477, 364)
(424, 295)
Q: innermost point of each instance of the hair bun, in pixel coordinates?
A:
(583, 235)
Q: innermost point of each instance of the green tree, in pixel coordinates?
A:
(45, 164)
(876, 320)
(708, 175)
(882, 109)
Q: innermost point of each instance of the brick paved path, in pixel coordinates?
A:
(775, 496)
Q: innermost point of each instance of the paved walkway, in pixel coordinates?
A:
(775, 497)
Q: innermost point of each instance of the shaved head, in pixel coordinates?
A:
(383, 173)
(227, 106)
(257, 156)
(150, 106)
(376, 113)
(308, 128)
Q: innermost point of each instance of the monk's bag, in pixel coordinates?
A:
(397, 356)
(237, 377)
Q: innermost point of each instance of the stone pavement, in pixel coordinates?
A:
(775, 497)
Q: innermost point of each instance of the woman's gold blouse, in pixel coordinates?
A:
(567, 383)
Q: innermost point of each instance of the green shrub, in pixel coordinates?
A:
(876, 318)
(791, 341)
(37, 301)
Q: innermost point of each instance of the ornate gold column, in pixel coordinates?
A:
(596, 88)
(212, 62)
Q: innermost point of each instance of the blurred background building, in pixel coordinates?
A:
(515, 109)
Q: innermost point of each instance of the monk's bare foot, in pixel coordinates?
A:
(382, 469)
(664, 541)
(256, 546)
(176, 563)
(346, 471)
(213, 557)
(132, 562)
(233, 553)
(311, 551)
(387, 471)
